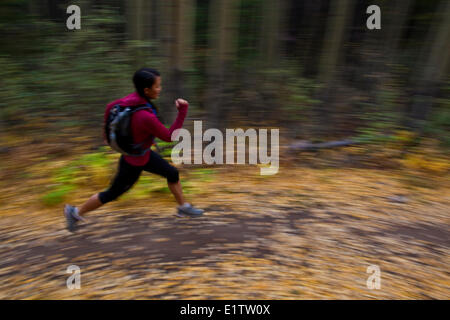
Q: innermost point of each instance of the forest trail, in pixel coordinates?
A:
(308, 237)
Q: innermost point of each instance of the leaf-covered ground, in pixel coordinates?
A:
(305, 233)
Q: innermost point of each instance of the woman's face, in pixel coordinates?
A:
(153, 92)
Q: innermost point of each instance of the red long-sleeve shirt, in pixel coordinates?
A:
(145, 125)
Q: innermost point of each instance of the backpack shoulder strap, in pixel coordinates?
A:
(140, 107)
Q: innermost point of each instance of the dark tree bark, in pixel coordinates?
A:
(177, 27)
(432, 68)
(223, 45)
(340, 13)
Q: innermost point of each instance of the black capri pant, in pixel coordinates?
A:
(127, 175)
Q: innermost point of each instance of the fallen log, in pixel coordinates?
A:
(309, 146)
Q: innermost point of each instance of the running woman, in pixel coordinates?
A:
(145, 125)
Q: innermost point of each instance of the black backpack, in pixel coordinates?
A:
(118, 130)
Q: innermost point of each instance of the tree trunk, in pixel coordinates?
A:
(177, 28)
(396, 27)
(270, 32)
(312, 30)
(223, 44)
(435, 67)
(135, 27)
(340, 13)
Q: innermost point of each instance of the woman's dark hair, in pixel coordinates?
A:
(144, 78)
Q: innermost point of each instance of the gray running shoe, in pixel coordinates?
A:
(71, 220)
(189, 211)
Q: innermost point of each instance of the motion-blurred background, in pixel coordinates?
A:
(311, 68)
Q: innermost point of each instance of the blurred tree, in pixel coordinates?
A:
(269, 39)
(136, 16)
(396, 25)
(338, 17)
(432, 66)
(177, 41)
(308, 19)
(259, 60)
(271, 27)
(223, 46)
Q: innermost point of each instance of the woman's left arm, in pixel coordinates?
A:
(157, 129)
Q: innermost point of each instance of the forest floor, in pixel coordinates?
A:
(308, 232)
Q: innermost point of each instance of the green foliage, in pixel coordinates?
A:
(57, 195)
(13, 92)
(165, 147)
(300, 100)
(249, 32)
(62, 182)
(93, 168)
(204, 175)
(381, 119)
(164, 144)
(96, 160)
(68, 72)
(294, 93)
(163, 189)
(65, 175)
(438, 125)
(166, 153)
(71, 75)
